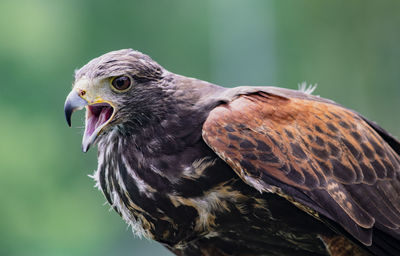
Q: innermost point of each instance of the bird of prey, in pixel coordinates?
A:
(214, 171)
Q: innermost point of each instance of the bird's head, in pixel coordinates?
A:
(115, 88)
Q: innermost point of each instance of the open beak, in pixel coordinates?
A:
(98, 115)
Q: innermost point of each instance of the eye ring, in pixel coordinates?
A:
(121, 83)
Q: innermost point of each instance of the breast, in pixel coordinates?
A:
(172, 203)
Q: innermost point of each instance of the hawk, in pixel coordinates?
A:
(207, 170)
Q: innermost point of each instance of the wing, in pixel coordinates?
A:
(324, 158)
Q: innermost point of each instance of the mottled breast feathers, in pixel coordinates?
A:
(318, 153)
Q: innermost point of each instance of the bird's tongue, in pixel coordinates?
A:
(96, 116)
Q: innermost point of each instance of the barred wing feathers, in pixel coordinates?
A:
(324, 158)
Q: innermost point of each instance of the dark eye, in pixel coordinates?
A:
(121, 83)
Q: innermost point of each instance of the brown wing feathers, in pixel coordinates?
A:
(323, 150)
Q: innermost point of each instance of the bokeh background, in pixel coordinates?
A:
(48, 204)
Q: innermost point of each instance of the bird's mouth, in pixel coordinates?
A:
(98, 114)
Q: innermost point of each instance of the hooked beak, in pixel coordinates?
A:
(72, 103)
(98, 115)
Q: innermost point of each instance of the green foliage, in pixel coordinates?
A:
(49, 205)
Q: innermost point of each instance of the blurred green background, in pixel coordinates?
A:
(48, 204)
